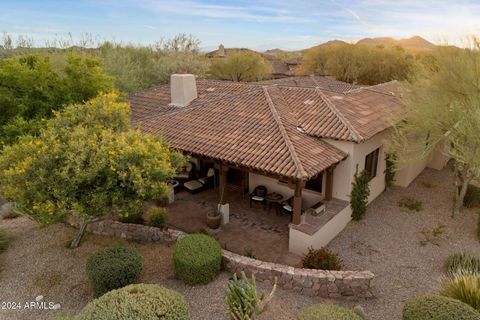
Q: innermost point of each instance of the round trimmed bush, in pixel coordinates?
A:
(328, 312)
(438, 308)
(197, 259)
(113, 268)
(137, 301)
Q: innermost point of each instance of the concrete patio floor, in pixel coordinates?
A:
(264, 233)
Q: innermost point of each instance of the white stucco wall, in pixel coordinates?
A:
(309, 197)
(345, 171)
(406, 173)
(438, 159)
(299, 242)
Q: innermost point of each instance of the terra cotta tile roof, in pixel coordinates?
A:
(275, 129)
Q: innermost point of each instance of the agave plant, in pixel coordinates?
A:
(242, 299)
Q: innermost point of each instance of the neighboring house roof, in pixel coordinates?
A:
(269, 128)
(280, 68)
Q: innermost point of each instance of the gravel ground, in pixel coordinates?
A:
(389, 242)
(38, 263)
(399, 247)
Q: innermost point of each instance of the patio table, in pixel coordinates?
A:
(273, 199)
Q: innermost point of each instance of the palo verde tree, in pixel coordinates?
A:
(135, 68)
(358, 63)
(240, 66)
(86, 162)
(443, 113)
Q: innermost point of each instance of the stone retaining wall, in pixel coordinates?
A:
(323, 283)
(136, 232)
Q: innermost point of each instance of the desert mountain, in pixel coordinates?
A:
(415, 42)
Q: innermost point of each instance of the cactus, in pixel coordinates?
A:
(242, 299)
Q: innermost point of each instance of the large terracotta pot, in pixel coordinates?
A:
(214, 220)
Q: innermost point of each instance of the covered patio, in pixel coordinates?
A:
(256, 227)
(261, 232)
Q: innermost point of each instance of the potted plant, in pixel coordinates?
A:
(214, 219)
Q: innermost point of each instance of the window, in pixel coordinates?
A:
(315, 184)
(371, 163)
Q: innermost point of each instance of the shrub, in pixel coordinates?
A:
(438, 308)
(321, 259)
(472, 197)
(242, 299)
(197, 259)
(157, 217)
(359, 195)
(63, 316)
(249, 253)
(137, 301)
(113, 268)
(411, 204)
(390, 169)
(463, 287)
(462, 263)
(132, 218)
(328, 312)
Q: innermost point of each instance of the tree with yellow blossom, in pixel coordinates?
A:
(87, 162)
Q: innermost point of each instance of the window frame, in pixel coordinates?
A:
(371, 163)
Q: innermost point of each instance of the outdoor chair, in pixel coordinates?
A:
(186, 173)
(287, 206)
(204, 183)
(258, 195)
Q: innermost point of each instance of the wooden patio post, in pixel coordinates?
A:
(222, 183)
(329, 184)
(297, 203)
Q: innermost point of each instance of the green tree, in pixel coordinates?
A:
(85, 78)
(359, 194)
(443, 113)
(362, 64)
(30, 89)
(86, 162)
(240, 66)
(136, 68)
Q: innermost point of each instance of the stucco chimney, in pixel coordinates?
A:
(183, 89)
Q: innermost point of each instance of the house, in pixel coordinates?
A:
(280, 68)
(301, 137)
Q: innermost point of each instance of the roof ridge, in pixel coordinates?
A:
(301, 173)
(192, 106)
(339, 115)
(312, 76)
(373, 86)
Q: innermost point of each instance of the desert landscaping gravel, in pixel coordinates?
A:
(404, 249)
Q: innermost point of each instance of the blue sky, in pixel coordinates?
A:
(289, 24)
